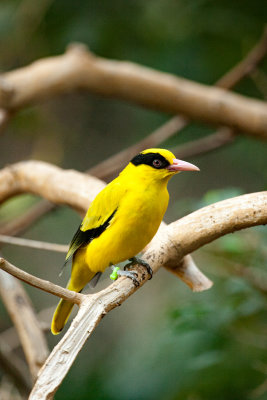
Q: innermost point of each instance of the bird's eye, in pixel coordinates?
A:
(157, 163)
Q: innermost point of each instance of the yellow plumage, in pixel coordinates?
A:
(120, 222)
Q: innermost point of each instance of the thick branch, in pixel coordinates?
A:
(62, 187)
(80, 69)
(167, 248)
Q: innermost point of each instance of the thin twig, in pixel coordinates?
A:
(201, 146)
(34, 244)
(39, 283)
(247, 65)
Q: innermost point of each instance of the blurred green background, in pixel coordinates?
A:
(165, 342)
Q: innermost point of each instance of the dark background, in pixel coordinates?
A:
(165, 342)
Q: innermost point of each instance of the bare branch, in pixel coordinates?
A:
(180, 238)
(247, 65)
(21, 312)
(80, 69)
(42, 284)
(36, 177)
(34, 244)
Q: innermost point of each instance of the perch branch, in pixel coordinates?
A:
(167, 248)
(80, 69)
(42, 284)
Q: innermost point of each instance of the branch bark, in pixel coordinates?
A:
(80, 69)
(180, 238)
(39, 283)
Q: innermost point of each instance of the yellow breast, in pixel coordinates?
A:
(135, 223)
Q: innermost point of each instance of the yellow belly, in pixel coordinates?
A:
(134, 225)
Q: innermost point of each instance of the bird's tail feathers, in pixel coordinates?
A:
(64, 308)
(61, 316)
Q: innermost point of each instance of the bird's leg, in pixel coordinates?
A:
(137, 260)
(116, 272)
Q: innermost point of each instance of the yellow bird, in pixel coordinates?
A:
(120, 222)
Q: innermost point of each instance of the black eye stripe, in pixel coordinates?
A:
(148, 159)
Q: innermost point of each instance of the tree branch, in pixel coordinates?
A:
(34, 244)
(22, 314)
(180, 238)
(39, 283)
(201, 146)
(80, 69)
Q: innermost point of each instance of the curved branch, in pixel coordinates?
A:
(80, 69)
(50, 182)
(39, 283)
(167, 248)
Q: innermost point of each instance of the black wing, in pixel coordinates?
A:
(83, 238)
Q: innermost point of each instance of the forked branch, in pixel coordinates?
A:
(167, 248)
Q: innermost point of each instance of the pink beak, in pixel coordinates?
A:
(180, 165)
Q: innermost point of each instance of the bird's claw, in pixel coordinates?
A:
(137, 260)
(129, 274)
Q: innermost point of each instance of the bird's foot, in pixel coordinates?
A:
(116, 272)
(137, 260)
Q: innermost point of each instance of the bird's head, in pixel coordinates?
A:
(159, 164)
